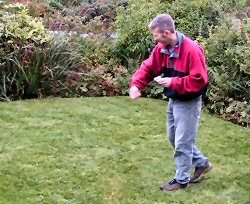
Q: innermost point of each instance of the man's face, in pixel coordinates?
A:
(160, 37)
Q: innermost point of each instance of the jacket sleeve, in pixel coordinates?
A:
(149, 69)
(198, 76)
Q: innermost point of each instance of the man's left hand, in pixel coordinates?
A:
(166, 81)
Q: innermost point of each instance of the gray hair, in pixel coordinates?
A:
(162, 22)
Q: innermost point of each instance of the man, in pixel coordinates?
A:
(182, 63)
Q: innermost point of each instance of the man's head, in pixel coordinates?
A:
(163, 28)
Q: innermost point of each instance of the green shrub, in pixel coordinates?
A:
(17, 28)
(64, 66)
(39, 71)
(56, 5)
(102, 74)
(18, 33)
(32, 65)
(71, 3)
(134, 40)
(101, 81)
(228, 58)
(235, 111)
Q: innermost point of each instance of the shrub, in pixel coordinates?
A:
(61, 66)
(36, 72)
(56, 5)
(135, 41)
(69, 3)
(228, 59)
(17, 29)
(102, 74)
(32, 64)
(101, 81)
(18, 32)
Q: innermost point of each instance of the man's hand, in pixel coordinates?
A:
(166, 81)
(134, 92)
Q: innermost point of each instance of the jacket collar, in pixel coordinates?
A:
(176, 53)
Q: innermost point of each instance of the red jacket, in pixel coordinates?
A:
(186, 65)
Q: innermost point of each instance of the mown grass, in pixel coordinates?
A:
(111, 150)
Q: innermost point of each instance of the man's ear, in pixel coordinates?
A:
(167, 32)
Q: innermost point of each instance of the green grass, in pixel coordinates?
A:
(111, 150)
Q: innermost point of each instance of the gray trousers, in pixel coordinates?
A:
(183, 122)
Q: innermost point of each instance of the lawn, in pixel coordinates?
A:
(111, 150)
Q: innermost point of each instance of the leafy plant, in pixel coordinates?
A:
(227, 51)
(56, 5)
(102, 74)
(17, 28)
(19, 34)
(35, 72)
(134, 39)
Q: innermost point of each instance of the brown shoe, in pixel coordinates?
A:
(173, 185)
(199, 172)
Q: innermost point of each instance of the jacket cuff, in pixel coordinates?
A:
(133, 84)
(173, 82)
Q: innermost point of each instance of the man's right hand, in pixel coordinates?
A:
(134, 92)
